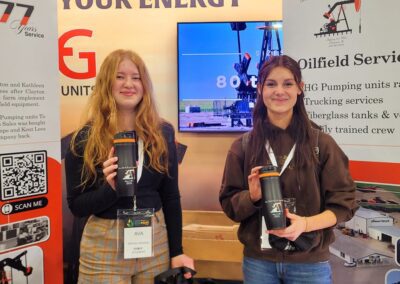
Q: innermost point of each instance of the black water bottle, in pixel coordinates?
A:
(125, 145)
(273, 205)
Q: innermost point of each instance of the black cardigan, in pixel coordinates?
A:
(155, 190)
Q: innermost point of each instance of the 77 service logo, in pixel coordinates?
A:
(9, 7)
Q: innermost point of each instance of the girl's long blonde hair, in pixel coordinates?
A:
(101, 115)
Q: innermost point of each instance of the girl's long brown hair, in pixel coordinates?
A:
(101, 115)
(300, 128)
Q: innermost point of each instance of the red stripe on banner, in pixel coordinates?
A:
(53, 247)
(4, 18)
(375, 172)
(24, 20)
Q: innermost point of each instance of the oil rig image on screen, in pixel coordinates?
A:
(235, 114)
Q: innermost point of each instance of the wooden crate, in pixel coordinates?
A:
(206, 218)
(210, 238)
(210, 232)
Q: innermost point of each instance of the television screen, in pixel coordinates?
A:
(217, 72)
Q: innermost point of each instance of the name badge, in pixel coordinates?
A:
(137, 233)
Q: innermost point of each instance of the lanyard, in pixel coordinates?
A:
(140, 159)
(139, 170)
(271, 156)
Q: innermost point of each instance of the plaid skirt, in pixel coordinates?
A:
(101, 258)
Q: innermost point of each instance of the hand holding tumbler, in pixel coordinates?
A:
(125, 145)
(273, 206)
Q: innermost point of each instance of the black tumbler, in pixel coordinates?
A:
(125, 145)
(273, 205)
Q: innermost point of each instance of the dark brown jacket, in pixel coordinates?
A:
(333, 189)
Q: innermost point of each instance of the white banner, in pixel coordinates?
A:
(30, 163)
(29, 99)
(350, 56)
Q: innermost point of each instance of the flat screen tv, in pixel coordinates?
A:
(217, 72)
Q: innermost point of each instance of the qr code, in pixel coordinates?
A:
(23, 174)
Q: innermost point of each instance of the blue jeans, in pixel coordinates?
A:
(257, 271)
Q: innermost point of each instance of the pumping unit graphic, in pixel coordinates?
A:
(246, 92)
(337, 19)
(14, 264)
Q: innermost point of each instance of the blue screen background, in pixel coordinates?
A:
(208, 51)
